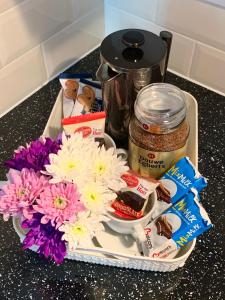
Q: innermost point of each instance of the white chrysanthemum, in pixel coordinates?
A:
(80, 161)
(81, 232)
(96, 197)
(76, 141)
(108, 168)
(73, 161)
(66, 166)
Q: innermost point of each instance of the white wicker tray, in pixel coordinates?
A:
(123, 257)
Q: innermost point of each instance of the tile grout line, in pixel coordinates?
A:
(8, 10)
(191, 58)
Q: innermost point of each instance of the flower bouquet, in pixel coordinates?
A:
(62, 190)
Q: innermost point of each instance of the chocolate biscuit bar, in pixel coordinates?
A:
(164, 228)
(163, 194)
(129, 203)
(131, 199)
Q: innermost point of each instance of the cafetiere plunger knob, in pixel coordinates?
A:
(133, 38)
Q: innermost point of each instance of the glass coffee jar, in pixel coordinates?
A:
(158, 131)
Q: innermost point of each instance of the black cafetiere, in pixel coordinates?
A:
(130, 60)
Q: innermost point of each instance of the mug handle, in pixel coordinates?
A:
(122, 152)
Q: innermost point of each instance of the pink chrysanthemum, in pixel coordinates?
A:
(19, 195)
(58, 203)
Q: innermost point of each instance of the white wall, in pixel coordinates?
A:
(40, 38)
(198, 49)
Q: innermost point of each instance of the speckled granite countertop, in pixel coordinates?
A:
(23, 275)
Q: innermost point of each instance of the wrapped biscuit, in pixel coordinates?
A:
(89, 98)
(132, 200)
(176, 183)
(71, 85)
(177, 226)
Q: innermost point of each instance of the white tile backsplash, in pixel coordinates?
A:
(83, 8)
(27, 26)
(220, 3)
(55, 9)
(20, 78)
(7, 4)
(195, 19)
(61, 50)
(116, 19)
(144, 8)
(181, 54)
(94, 23)
(87, 6)
(209, 67)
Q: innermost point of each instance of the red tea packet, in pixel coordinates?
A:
(92, 124)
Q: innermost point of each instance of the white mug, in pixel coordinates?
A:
(134, 227)
(109, 143)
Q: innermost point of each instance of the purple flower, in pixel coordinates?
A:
(46, 237)
(35, 156)
(59, 138)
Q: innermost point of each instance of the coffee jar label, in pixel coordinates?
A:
(151, 163)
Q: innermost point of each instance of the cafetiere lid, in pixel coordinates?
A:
(132, 49)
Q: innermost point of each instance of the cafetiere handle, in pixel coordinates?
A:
(167, 37)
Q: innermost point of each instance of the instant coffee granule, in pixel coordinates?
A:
(166, 142)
